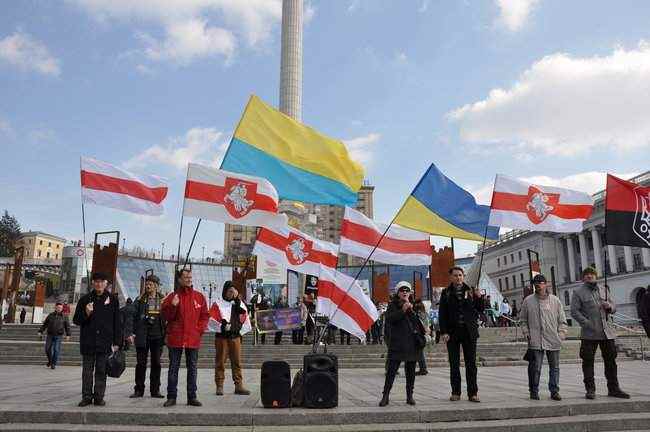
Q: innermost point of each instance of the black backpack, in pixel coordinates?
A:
(296, 390)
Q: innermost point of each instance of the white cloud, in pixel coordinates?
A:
(145, 70)
(22, 50)
(362, 148)
(198, 145)
(401, 57)
(354, 5)
(513, 14)
(566, 106)
(189, 40)
(189, 34)
(424, 6)
(589, 182)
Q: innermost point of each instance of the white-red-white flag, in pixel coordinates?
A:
(343, 301)
(227, 197)
(400, 246)
(107, 185)
(295, 250)
(517, 204)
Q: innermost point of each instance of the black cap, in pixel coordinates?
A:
(153, 278)
(539, 279)
(99, 276)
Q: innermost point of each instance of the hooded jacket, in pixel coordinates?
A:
(187, 321)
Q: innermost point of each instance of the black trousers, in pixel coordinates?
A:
(277, 339)
(462, 338)
(93, 366)
(391, 371)
(298, 335)
(588, 353)
(343, 335)
(155, 348)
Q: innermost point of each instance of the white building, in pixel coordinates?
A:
(563, 257)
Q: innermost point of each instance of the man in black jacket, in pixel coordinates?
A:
(56, 324)
(148, 332)
(98, 315)
(458, 317)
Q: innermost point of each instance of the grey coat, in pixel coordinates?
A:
(543, 322)
(586, 309)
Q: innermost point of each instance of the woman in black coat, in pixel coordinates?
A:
(403, 322)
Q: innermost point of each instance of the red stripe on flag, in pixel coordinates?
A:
(345, 302)
(92, 180)
(621, 195)
(280, 242)
(517, 203)
(215, 194)
(369, 237)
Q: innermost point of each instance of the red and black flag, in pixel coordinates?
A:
(627, 213)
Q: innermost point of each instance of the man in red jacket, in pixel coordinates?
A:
(187, 317)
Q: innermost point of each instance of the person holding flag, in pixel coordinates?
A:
(229, 320)
(591, 306)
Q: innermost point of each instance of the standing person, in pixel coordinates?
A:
(544, 324)
(98, 315)
(23, 314)
(644, 311)
(504, 313)
(310, 324)
(459, 312)
(515, 312)
(590, 307)
(148, 334)
(259, 302)
(403, 323)
(126, 320)
(232, 321)
(187, 317)
(56, 324)
(421, 312)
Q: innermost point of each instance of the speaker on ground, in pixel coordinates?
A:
(275, 386)
(321, 381)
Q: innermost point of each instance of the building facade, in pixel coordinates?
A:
(40, 245)
(562, 257)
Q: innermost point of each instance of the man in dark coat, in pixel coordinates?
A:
(98, 315)
(56, 324)
(403, 323)
(458, 317)
(148, 333)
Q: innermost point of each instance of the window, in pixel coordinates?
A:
(500, 285)
(30, 241)
(56, 256)
(638, 262)
(39, 253)
(48, 255)
(498, 262)
(512, 258)
(57, 246)
(49, 244)
(621, 264)
(505, 259)
(519, 253)
(522, 279)
(567, 300)
(507, 283)
(40, 242)
(590, 243)
(514, 281)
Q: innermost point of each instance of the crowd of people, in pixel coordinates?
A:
(179, 320)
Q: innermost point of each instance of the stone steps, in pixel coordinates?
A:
(606, 415)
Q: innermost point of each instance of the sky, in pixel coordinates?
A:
(553, 92)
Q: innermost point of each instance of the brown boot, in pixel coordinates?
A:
(241, 390)
(219, 390)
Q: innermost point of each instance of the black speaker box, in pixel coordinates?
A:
(275, 386)
(321, 381)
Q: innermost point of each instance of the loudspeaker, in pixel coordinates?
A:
(275, 386)
(321, 381)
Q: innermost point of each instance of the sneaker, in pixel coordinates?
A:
(99, 402)
(556, 396)
(194, 402)
(534, 396)
(618, 393)
(454, 397)
(591, 394)
(169, 403)
(53, 366)
(474, 398)
(85, 402)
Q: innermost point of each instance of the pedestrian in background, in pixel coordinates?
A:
(57, 325)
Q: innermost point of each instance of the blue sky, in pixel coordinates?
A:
(555, 92)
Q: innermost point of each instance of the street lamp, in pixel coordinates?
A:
(203, 254)
(162, 251)
(123, 245)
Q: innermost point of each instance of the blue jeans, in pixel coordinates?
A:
(535, 370)
(52, 349)
(191, 360)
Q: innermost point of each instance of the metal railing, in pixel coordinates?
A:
(630, 330)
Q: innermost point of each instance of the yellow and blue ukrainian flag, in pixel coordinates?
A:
(303, 164)
(439, 206)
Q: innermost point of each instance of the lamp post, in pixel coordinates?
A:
(162, 251)
(203, 254)
(210, 295)
(123, 245)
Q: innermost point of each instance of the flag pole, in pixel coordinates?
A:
(480, 264)
(83, 227)
(180, 231)
(606, 248)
